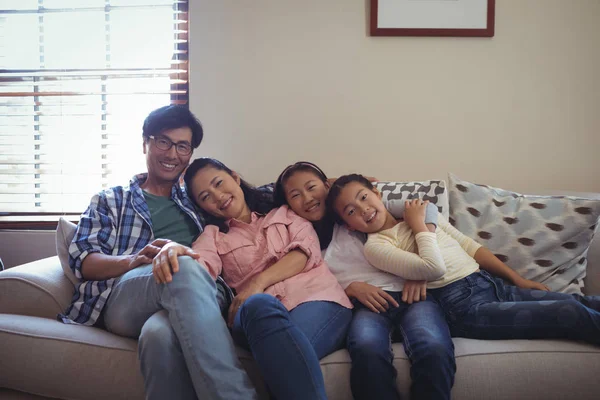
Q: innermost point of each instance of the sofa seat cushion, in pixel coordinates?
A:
(51, 359)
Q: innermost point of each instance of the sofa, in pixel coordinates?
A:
(41, 358)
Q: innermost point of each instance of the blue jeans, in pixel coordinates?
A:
(287, 345)
(427, 343)
(185, 349)
(482, 307)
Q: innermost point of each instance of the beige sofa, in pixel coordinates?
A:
(43, 358)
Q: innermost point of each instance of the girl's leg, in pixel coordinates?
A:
(285, 356)
(429, 346)
(480, 307)
(373, 375)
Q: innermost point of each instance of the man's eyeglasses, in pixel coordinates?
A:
(165, 144)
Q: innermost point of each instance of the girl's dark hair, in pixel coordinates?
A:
(324, 227)
(260, 201)
(306, 166)
(172, 117)
(336, 189)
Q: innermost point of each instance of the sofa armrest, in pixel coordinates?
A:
(39, 289)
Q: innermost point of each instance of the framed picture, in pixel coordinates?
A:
(474, 18)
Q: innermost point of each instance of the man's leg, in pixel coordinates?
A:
(195, 317)
(372, 375)
(162, 362)
(427, 342)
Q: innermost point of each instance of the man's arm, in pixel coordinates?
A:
(99, 266)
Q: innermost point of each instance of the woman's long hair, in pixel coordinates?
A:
(260, 201)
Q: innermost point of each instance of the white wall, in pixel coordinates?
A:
(275, 81)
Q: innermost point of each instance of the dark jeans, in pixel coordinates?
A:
(287, 345)
(482, 307)
(427, 343)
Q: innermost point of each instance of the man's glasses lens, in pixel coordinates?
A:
(165, 144)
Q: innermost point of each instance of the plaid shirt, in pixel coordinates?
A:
(117, 222)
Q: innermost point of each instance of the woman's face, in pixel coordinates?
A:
(305, 193)
(219, 194)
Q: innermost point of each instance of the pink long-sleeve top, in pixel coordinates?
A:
(250, 248)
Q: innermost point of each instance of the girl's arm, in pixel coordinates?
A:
(427, 265)
(492, 264)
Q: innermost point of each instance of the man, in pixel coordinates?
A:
(185, 349)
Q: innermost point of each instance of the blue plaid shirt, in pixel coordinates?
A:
(117, 222)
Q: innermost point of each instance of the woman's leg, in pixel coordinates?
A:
(285, 356)
(373, 375)
(429, 346)
(483, 308)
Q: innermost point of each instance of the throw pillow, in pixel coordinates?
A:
(65, 231)
(543, 238)
(432, 190)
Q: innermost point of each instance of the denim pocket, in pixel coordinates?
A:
(455, 298)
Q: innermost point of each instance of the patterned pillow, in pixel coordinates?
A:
(543, 238)
(434, 191)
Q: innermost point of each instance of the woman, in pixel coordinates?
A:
(289, 310)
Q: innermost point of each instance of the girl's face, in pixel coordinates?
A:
(220, 194)
(361, 208)
(305, 193)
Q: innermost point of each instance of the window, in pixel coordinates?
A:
(77, 79)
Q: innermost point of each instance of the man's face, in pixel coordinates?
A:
(167, 165)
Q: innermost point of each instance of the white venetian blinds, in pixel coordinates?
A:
(77, 79)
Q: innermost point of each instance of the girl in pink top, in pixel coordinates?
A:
(289, 310)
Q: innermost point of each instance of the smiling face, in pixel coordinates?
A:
(361, 208)
(166, 165)
(305, 193)
(220, 194)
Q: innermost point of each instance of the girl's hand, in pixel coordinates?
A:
(528, 284)
(372, 297)
(414, 291)
(414, 214)
(165, 263)
(253, 287)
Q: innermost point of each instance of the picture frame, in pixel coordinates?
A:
(457, 18)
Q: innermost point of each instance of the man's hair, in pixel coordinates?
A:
(336, 189)
(279, 193)
(259, 201)
(172, 117)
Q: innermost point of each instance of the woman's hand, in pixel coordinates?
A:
(528, 284)
(147, 254)
(165, 263)
(372, 297)
(253, 287)
(414, 291)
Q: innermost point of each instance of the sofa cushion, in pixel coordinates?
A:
(432, 190)
(65, 231)
(544, 238)
(39, 288)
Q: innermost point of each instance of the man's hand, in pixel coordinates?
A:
(414, 214)
(372, 297)
(165, 262)
(414, 291)
(253, 287)
(527, 284)
(147, 254)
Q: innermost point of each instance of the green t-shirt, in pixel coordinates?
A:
(169, 221)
